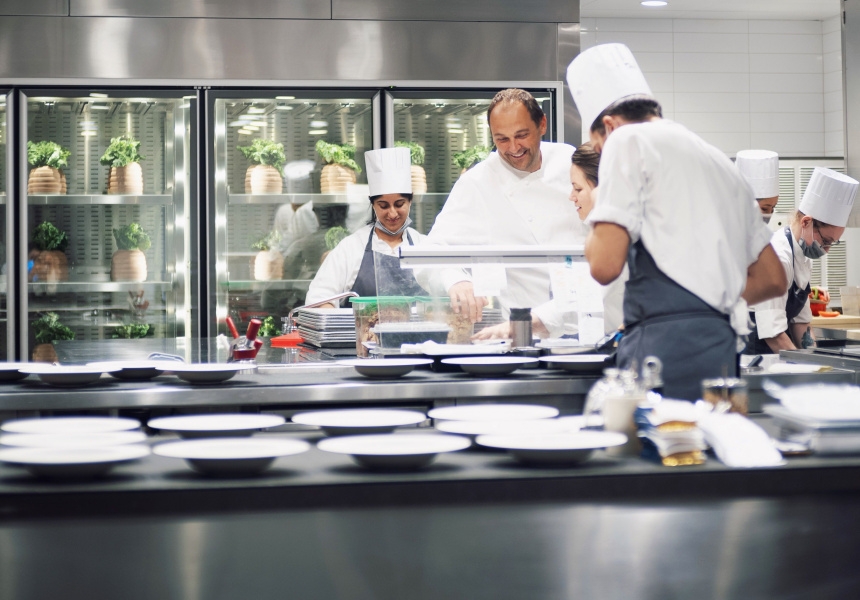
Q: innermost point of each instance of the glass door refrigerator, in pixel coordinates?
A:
(7, 171)
(286, 183)
(105, 222)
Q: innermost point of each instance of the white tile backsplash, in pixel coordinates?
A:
(767, 26)
(805, 122)
(785, 63)
(699, 62)
(729, 43)
(790, 143)
(712, 82)
(794, 43)
(832, 61)
(833, 121)
(712, 102)
(834, 143)
(640, 25)
(710, 26)
(833, 101)
(783, 82)
(787, 103)
(832, 24)
(833, 81)
(831, 42)
(656, 62)
(714, 121)
(637, 41)
(660, 82)
(729, 142)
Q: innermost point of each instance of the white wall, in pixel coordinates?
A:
(741, 83)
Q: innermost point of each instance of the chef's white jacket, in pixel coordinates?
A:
(689, 205)
(340, 268)
(495, 204)
(770, 316)
(613, 302)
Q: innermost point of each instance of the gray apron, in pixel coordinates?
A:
(797, 298)
(693, 340)
(390, 279)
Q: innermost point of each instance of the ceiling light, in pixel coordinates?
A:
(653, 3)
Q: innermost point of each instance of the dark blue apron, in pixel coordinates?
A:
(797, 298)
(391, 279)
(693, 340)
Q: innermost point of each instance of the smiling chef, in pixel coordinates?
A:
(678, 212)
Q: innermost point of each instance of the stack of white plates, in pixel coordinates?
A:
(493, 412)
(216, 425)
(327, 327)
(66, 375)
(394, 451)
(359, 421)
(555, 448)
(234, 457)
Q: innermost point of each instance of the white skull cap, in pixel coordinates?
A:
(829, 197)
(600, 77)
(761, 170)
(389, 171)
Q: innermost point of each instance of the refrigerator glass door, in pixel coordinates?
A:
(6, 175)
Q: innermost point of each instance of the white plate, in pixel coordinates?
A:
(490, 365)
(65, 375)
(534, 427)
(494, 412)
(231, 457)
(134, 369)
(359, 421)
(72, 440)
(394, 451)
(220, 425)
(553, 448)
(385, 367)
(72, 463)
(11, 371)
(209, 373)
(576, 362)
(70, 425)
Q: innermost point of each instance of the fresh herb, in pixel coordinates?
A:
(338, 154)
(47, 154)
(265, 152)
(334, 235)
(132, 237)
(416, 151)
(48, 329)
(132, 331)
(123, 151)
(268, 328)
(47, 237)
(268, 241)
(469, 157)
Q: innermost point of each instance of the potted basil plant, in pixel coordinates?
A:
(48, 256)
(123, 157)
(340, 168)
(48, 329)
(264, 174)
(128, 263)
(269, 263)
(471, 156)
(416, 154)
(48, 160)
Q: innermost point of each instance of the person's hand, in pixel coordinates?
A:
(463, 299)
(501, 331)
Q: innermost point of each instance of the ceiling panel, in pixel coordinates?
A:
(714, 9)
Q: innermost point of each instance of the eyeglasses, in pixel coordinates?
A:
(825, 243)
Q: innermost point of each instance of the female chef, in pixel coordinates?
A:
(761, 170)
(367, 261)
(583, 179)
(783, 322)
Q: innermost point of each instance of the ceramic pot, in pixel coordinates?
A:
(50, 266)
(128, 265)
(45, 353)
(263, 179)
(126, 180)
(268, 265)
(46, 180)
(419, 180)
(336, 179)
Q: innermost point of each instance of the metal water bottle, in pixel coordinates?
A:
(521, 327)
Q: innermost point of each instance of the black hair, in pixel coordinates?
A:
(635, 109)
(513, 95)
(377, 197)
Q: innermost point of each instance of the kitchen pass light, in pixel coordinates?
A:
(653, 3)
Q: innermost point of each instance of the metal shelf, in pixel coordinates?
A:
(273, 284)
(2, 197)
(98, 284)
(239, 199)
(99, 199)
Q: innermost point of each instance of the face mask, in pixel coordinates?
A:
(403, 227)
(766, 218)
(814, 251)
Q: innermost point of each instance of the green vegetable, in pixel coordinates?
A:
(47, 237)
(265, 152)
(48, 329)
(343, 155)
(334, 235)
(473, 155)
(47, 154)
(416, 151)
(132, 331)
(123, 151)
(267, 242)
(268, 328)
(132, 237)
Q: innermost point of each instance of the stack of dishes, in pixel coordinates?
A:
(327, 328)
(67, 375)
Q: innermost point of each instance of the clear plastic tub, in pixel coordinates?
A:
(369, 311)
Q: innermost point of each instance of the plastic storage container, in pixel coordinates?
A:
(370, 311)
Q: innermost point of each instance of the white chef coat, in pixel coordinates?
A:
(493, 203)
(770, 315)
(613, 302)
(689, 205)
(340, 268)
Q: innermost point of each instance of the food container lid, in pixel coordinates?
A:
(410, 327)
(369, 299)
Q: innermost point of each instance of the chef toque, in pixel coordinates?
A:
(761, 170)
(829, 197)
(601, 76)
(389, 171)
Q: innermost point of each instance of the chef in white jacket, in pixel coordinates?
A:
(367, 262)
(518, 195)
(782, 322)
(678, 213)
(761, 170)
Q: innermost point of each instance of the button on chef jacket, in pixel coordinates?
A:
(493, 203)
(770, 317)
(688, 204)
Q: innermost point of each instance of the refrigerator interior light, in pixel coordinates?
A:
(318, 132)
(285, 97)
(89, 133)
(283, 107)
(98, 95)
(99, 107)
(246, 132)
(250, 127)
(318, 124)
(255, 110)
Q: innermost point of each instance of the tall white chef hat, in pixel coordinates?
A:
(600, 77)
(761, 170)
(829, 197)
(389, 171)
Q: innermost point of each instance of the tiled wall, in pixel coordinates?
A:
(740, 83)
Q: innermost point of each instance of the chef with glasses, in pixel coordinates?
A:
(782, 323)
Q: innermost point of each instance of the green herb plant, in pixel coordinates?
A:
(265, 152)
(338, 154)
(47, 237)
(267, 242)
(416, 151)
(132, 237)
(268, 328)
(469, 157)
(334, 236)
(121, 152)
(47, 154)
(131, 331)
(49, 329)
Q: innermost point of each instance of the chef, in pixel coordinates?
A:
(367, 262)
(782, 322)
(677, 211)
(518, 195)
(761, 170)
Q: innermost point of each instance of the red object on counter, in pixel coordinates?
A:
(244, 353)
(287, 341)
(817, 307)
(232, 327)
(258, 343)
(253, 328)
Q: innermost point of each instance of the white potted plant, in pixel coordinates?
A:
(264, 175)
(128, 263)
(416, 154)
(269, 263)
(340, 168)
(48, 160)
(123, 157)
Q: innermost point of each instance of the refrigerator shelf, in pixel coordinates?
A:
(86, 286)
(99, 199)
(257, 286)
(241, 199)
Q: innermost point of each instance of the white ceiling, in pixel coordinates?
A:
(714, 9)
